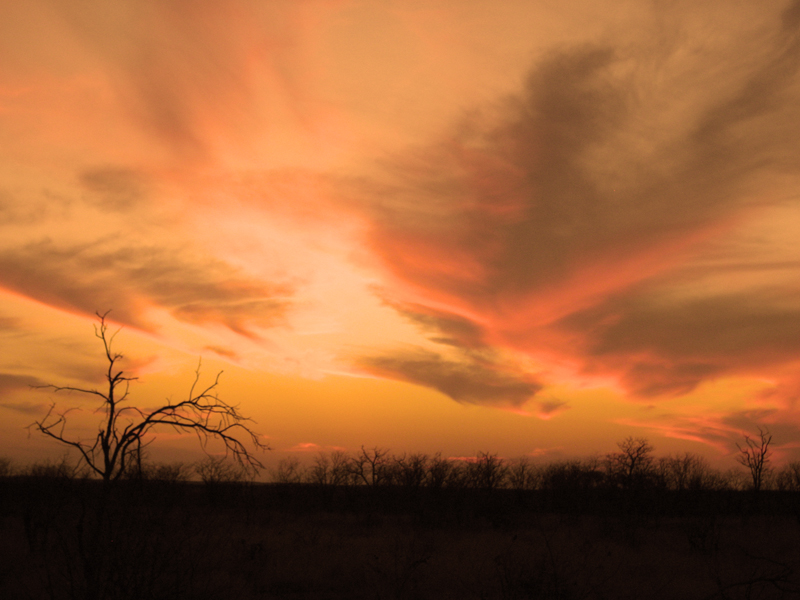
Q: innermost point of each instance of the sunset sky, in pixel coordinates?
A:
(523, 227)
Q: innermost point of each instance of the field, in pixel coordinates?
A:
(74, 538)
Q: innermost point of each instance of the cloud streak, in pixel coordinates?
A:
(567, 221)
(468, 381)
(10, 382)
(101, 275)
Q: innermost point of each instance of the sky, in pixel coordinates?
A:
(527, 228)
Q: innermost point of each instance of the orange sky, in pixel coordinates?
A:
(517, 227)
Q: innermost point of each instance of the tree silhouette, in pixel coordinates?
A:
(123, 429)
(371, 466)
(755, 455)
(633, 463)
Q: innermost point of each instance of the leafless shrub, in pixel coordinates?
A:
(331, 469)
(440, 470)
(410, 471)
(289, 471)
(788, 478)
(487, 471)
(319, 473)
(218, 469)
(341, 472)
(685, 471)
(64, 468)
(6, 467)
(458, 477)
(523, 475)
(716, 480)
(175, 472)
(571, 475)
(734, 479)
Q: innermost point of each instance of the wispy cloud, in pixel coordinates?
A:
(10, 382)
(26, 408)
(467, 380)
(566, 220)
(102, 275)
(550, 408)
(672, 347)
(443, 327)
(114, 188)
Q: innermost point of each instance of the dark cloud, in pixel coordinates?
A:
(600, 177)
(720, 327)
(26, 408)
(671, 347)
(467, 381)
(791, 17)
(14, 212)
(14, 383)
(549, 408)
(237, 316)
(9, 382)
(226, 352)
(749, 422)
(10, 324)
(649, 378)
(474, 376)
(559, 185)
(114, 188)
(446, 328)
(95, 277)
(757, 113)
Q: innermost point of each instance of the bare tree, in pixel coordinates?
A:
(440, 470)
(124, 428)
(523, 475)
(289, 471)
(371, 466)
(175, 472)
(682, 472)
(487, 472)
(410, 470)
(755, 455)
(632, 463)
(789, 477)
(319, 473)
(215, 470)
(331, 469)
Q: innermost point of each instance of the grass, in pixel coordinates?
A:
(70, 538)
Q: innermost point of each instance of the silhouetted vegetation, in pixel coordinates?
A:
(372, 524)
(755, 456)
(122, 435)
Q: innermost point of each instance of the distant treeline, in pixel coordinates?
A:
(634, 466)
(371, 524)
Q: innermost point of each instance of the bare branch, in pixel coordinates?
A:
(121, 437)
(755, 456)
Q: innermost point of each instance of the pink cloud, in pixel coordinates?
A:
(551, 236)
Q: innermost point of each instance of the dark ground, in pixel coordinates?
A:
(67, 538)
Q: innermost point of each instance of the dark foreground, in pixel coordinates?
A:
(66, 538)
